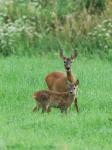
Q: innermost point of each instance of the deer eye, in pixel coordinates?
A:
(64, 62)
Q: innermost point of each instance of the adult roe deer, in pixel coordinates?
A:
(56, 81)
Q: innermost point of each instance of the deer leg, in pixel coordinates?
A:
(61, 109)
(43, 109)
(76, 105)
(35, 108)
(66, 109)
(48, 109)
(39, 106)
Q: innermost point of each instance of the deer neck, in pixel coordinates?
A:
(71, 97)
(70, 76)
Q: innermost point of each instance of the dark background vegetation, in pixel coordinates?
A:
(30, 27)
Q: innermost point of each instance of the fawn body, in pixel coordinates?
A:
(63, 100)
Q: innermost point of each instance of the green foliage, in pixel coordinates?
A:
(93, 6)
(31, 27)
(98, 5)
(21, 129)
(65, 7)
(101, 36)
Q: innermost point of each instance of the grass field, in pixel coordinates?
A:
(20, 129)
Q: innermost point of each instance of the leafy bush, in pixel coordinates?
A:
(36, 26)
(93, 6)
(12, 32)
(101, 36)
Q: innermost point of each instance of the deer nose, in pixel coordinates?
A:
(67, 68)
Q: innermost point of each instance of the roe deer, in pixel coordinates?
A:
(57, 80)
(63, 100)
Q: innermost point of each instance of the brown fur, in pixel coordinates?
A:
(56, 81)
(47, 99)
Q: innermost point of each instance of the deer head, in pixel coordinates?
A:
(72, 87)
(68, 60)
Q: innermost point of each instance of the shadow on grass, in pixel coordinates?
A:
(28, 126)
(30, 147)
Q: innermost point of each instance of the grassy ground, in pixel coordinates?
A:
(20, 129)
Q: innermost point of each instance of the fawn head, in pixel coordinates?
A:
(68, 60)
(72, 87)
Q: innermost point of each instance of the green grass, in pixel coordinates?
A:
(20, 129)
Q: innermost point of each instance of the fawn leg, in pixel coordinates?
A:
(61, 109)
(39, 106)
(43, 110)
(66, 109)
(76, 105)
(35, 108)
(49, 109)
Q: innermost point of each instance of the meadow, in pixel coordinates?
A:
(21, 129)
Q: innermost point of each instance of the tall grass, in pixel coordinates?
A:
(29, 27)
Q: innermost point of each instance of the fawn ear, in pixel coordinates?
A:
(68, 83)
(74, 55)
(77, 82)
(62, 53)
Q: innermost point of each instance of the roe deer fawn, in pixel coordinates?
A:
(63, 100)
(56, 81)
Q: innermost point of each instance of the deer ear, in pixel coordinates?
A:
(68, 83)
(77, 82)
(74, 55)
(62, 54)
